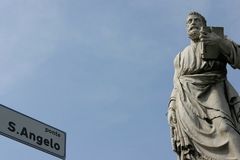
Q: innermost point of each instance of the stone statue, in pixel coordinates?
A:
(204, 108)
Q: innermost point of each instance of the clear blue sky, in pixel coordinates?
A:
(101, 70)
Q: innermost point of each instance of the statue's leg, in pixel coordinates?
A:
(233, 136)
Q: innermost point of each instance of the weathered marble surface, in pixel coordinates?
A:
(204, 108)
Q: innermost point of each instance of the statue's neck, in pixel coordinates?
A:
(194, 42)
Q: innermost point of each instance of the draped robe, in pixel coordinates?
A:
(206, 106)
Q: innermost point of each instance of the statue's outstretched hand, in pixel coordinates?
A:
(172, 114)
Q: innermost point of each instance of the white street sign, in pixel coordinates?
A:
(32, 132)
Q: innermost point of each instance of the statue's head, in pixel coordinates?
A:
(193, 25)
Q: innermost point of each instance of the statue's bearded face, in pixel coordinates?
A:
(194, 24)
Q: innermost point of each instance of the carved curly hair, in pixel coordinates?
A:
(201, 16)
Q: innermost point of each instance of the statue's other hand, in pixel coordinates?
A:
(172, 117)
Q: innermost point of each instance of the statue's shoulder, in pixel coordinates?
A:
(186, 49)
(182, 52)
(180, 56)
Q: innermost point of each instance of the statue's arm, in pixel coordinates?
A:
(231, 51)
(172, 119)
(172, 101)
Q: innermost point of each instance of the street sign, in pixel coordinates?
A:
(32, 132)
